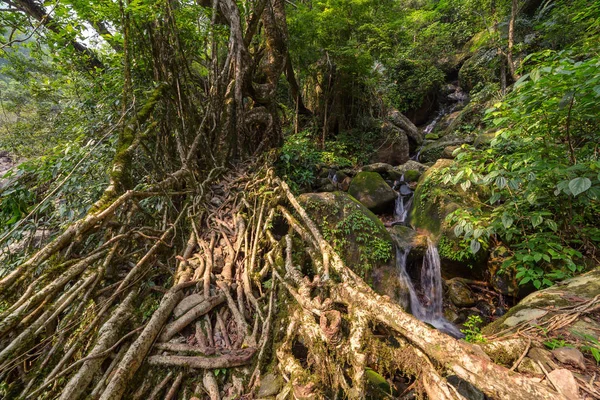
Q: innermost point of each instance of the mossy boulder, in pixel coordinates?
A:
(433, 201)
(411, 170)
(360, 239)
(435, 150)
(538, 306)
(392, 147)
(373, 192)
(407, 239)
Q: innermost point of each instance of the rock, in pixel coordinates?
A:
(459, 293)
(434, 150)
(380, 168)
(537, 307)
(360, 239)
(402, 122)
(543, 357)
(529, 366)
(564, 381)
(412, 175)
(408, 239)
(393, 147)
(326, 188)
(270, 385)
(412, 165)
(449, 152)
(371, 190)
(569, 355)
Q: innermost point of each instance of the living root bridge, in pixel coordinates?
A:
(255, 289)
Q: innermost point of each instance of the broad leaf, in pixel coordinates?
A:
(579, 185)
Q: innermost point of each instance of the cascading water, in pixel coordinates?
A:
(431, 309)
(403, 201)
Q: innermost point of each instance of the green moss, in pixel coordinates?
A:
(356, 233)
(412, 175)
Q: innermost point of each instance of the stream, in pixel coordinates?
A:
(428, 307)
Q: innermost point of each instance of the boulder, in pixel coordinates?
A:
(380, 168)
(435, 150)
(402, 122)
(449, 152)
(432, 202)
(392, 147)
(537, 307)
(407, 239)
(411, 170)
(371, 190)
(460, 294)
(360, 238)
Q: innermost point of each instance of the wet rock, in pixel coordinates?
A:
(459, 293)
(569, 355)
(393, 147)
(270, 385)
(372, 191)
(408, 239)
(326, 188)
(564, 381)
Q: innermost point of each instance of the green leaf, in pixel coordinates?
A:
(465, 185)
(579, 185)
(536, 220)
(501, 182)
(507, 220)
(475, 246)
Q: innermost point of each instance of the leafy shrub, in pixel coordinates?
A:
(541, 175)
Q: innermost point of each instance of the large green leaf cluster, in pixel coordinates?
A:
(541, 175)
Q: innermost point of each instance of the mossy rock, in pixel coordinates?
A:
(432, 202)
(537, 307)
(373, 192)
(435, 150)
(360, 239)
(407, 239)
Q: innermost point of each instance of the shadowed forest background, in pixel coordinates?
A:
(300, 199)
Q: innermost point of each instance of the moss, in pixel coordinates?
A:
(412, 175)
(356, 233)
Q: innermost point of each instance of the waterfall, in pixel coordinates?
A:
(403, 201)
(429, 310)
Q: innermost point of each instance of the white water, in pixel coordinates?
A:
(403, 202)
(429, 310)
(401, 209)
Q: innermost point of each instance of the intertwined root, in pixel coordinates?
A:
(241, 306)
